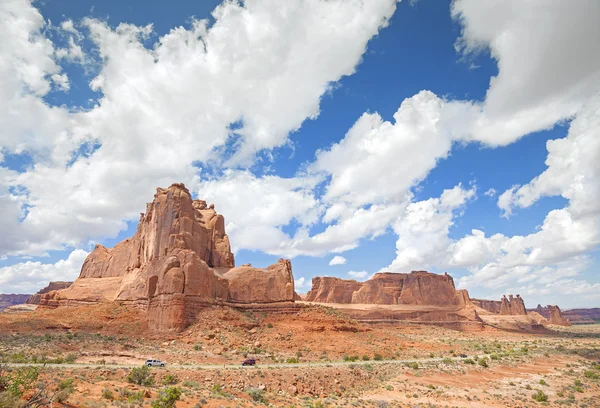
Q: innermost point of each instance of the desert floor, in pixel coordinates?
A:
(317, 358)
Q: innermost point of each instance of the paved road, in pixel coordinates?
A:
(236, 366)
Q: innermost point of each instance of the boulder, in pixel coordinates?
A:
(178, 261)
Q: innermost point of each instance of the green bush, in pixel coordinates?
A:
(350, 358)
(270, 325)
(107, 394)
(414, 366)
(377, 357)
(468, 361)
(447, 360)
(292, 360)
(540, 396)
(257, 395)
(591, 374)
(71, 358)
(140, 376)
(483, 362)
(543, 382)
(365, 358)
(198, 347)
(167, 397)
(170, 379)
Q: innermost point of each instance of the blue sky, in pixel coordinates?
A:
(384, 133)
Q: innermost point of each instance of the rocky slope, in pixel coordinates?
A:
(178, 262)
(37, 297)
(7, 300)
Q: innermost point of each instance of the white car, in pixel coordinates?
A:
(155, 363)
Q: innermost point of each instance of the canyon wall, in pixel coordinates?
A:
(553, 314)
(178, 261)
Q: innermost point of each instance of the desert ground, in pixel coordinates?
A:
(315, 358)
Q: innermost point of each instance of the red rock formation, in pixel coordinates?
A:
(178, 261)
(415, 288)
(556, 316)
(512, 305)
(57, 285)
(332, 290)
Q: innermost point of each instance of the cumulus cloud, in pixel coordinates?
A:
(29, 277)
(337, 260)
(423, 230)
(261, 66)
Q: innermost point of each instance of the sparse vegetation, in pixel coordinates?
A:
(167, 397)
(140, 376)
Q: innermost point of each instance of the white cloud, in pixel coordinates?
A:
(29, 277)
(540, 81)
(490, 192)
(300, 283)
(359, 274)
(337, 260)
(423, 230)
(264, 64)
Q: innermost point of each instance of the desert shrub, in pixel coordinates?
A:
(495, 357)
(191, 384)
(292, 360)
(270, 325)
(107, 394)
(447, 360)
(389, 388)
(468, 361)
(591, 374)
(170, 379)
(431, 355)
(350, 358)
(8, 400)
(71, 358)
(19, 381)
(414, 366)
(483, 362)
(540, 396)
(167, 397)
(140, 376)
(197, 347)
(365, 358)
(543, 382)
(257, 395)
(377, 357)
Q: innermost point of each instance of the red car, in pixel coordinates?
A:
(249, 361)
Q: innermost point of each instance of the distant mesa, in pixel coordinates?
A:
(8, 300)
(178, 261)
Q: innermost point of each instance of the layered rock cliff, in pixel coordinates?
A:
(415, 288)
(37, 297)
(178, 261)
(492, 306)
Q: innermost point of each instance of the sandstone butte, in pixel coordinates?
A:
(178, 261)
